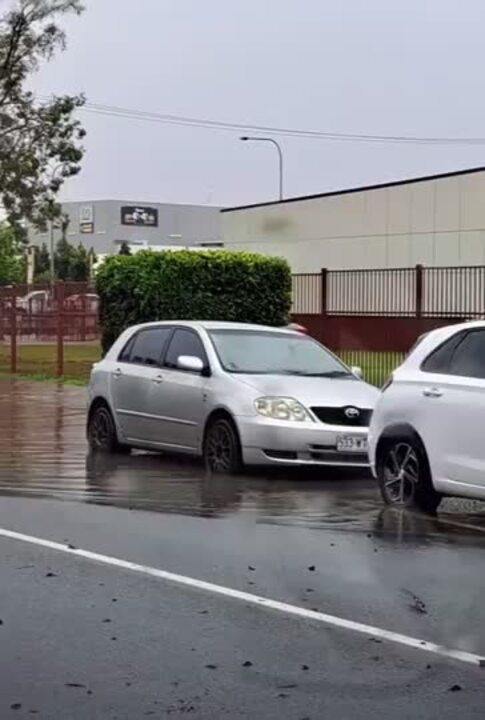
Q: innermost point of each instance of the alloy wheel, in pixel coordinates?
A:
(401, 474)
(101, 429)
(220, 448)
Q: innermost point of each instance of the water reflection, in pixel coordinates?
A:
(43, 452)
(145, 480)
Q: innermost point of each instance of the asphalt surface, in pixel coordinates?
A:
(82, 638)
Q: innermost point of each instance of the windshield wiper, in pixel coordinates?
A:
(329, 374)
(298, 373)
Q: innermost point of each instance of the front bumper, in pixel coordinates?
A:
(372, 441)
(277, 442)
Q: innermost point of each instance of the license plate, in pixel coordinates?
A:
(351, 443)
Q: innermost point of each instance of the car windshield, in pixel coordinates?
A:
(271, 353)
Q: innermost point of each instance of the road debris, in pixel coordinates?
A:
(417, 604)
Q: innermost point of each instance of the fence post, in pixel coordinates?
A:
(419, 291)
(13, 332)
(323, 291)
(59, 291)
(83, 314)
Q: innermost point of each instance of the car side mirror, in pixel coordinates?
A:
(357, 371)
(190, 363)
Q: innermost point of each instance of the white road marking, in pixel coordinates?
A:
(332, 620)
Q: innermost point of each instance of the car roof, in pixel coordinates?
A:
(217, 325)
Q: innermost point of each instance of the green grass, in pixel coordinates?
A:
(39, 362)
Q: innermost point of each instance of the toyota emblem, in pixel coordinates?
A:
(352, 413)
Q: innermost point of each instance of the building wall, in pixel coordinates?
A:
(432, 222)
(177, 225)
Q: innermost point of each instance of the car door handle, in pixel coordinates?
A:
(158, 379)
(432, 392)
(117, 373)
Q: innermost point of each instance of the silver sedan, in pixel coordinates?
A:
(233, 393)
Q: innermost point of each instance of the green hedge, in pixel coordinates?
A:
(187, 285)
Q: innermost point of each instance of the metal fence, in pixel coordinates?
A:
(371, 292)
(376, 367)
(369, 317)
(307, 292)
(452, 291)
(34, 319)
(405, 292)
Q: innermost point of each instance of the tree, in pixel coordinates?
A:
(80, 268)
(63, 259)
(42, 263)
(124, 249)
(71, 263)
(40, 140)
(12, 263)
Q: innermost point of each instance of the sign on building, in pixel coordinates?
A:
(86, 219)
(144, 216)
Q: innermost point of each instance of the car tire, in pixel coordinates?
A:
(101, 433)
(222, 450)
(404, 475)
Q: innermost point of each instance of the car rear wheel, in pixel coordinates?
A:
(404, 476)
(222, 452)
(102, 432)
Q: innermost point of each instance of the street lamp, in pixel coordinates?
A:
(246, 138)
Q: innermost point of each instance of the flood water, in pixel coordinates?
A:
(43, 453)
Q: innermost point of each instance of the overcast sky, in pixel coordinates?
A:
(400, 67)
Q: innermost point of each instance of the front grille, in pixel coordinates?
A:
(338, 415)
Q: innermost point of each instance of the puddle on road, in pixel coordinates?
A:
(43, 453)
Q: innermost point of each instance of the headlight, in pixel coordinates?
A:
(281, 408)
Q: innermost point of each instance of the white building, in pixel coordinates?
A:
(433, 221)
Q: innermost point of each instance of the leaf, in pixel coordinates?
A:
(40, 140)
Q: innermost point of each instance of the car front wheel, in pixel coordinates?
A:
(222, 453)
(404, 476)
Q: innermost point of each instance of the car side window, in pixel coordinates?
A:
(469, 357)
(184, 342)
(124, 355)
(147, 347)
(439, 360)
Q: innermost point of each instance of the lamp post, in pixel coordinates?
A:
(246, 138)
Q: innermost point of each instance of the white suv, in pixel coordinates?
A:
(427, 434)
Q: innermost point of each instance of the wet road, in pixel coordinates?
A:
(311, 540)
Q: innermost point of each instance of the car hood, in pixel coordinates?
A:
(314, 391)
